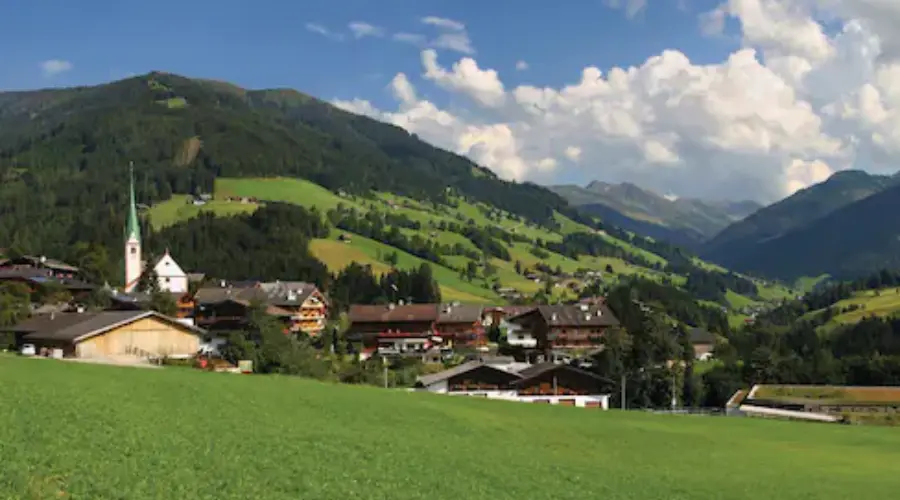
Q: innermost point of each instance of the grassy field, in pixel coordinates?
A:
(177, 209)
(71, 430)
(881, 303)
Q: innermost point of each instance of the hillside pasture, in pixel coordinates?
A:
(179, 209)
(75, 430)
(879, 303)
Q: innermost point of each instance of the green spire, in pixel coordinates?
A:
(132, 228)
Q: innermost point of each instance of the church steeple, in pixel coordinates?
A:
(134, 266)
(132, 226)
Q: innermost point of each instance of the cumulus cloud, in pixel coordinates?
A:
(814, 88)
(53, 67)
(362, 29)
(521, 65)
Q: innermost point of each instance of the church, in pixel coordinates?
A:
(170, 276)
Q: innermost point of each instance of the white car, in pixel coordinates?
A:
(28, 350)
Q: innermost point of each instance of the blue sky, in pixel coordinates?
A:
(266, 44)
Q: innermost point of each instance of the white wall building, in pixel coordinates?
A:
(170, 276)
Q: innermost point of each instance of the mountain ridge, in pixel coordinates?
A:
(737, 245)
(683, 221)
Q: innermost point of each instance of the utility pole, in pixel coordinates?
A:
(385, 365)
(622, 385)
(674, 396)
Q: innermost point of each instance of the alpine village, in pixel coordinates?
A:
(143, 224)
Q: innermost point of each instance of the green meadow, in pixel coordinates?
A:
(71, 430)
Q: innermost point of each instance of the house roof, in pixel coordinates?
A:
(512, 311)
(36, 262)
(41, 277)
(543, 368)
(75, 327)
(360, 313)
(458, 370)
(579, 315)
(459, 313)
(279, 293)
(701, 336)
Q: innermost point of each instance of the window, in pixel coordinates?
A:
(133, 250)
(168, 280)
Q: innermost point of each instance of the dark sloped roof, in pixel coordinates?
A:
(579, 315)
(543, 368)
(460, 313)
(360, 313)
(279, 293)
(36, 261)
(459, 370)
(701, 336)
(73, 327)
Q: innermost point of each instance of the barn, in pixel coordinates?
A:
(108, 334)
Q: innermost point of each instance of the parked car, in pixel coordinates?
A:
(28, 350)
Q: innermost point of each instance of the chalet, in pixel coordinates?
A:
(516, 336)
(301, 306)
(461, 325)
(566, 326)
(394, 329)
(703, 343)
(42, 280)
(136, 334)
(547, 383)
(51, 267)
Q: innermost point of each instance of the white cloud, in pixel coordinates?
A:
(484, 86)
(53, 67)
(362, 29)
(452, 35)
(799, 100)
(521, 65)
(322, 30)
(631, 7)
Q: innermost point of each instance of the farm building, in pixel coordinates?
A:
(110, 334)
(547, 383)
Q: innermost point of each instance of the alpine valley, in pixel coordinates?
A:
(214, 162)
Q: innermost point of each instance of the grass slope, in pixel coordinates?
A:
(365, 251)
(83, 431)
(178, 208)
(880, 303)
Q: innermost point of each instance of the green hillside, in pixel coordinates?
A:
(344, 246)
(176, 433)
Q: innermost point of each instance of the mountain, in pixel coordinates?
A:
(64, 153)
(857, 239)
(682, 221)
(739, 246)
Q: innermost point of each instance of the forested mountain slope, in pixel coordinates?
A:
(740, 246)
(68, 148)
(857, 239)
